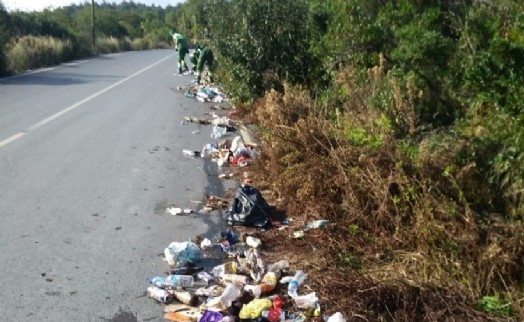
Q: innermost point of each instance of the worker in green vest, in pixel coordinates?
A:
(181, 47)
(205, 57)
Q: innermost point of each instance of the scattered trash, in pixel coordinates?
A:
(247, 285)
(311, 225)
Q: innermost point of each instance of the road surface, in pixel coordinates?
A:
(90, 157)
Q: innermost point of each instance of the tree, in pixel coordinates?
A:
(5, 36)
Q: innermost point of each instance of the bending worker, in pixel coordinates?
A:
(205, 56)
(181, 47)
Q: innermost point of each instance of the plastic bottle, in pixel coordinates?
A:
(174, 281)
(299, 277)
(234, 278)
(157, 281)
(186, 297)
(159, 294)
(231, 293)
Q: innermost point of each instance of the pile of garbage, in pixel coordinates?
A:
(226, 152)
(205, 94)
(242, 287)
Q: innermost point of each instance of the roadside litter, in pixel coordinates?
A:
(244, 286)
(228, 152)
(311, 225)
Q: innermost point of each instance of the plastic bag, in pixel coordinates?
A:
(248, 208)
(254, 309)
(182, 253)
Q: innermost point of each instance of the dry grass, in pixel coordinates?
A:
(404, 244)
(30, 52)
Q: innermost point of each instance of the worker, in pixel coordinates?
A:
(193, 58)
(181, 48)
(205, 57)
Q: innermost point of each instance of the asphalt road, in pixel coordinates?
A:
(90, 157)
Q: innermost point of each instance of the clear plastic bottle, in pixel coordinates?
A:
(174, 281)
(231, 293)
(157, 281)
(298, 279)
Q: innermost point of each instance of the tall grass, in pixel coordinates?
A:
(32, 52)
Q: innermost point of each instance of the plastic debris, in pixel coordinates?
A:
(181, 253)
(336, 317)
(206, 243)
(174, 211)
(206, 277)
(211, 316)
(254, 309)
(159, 294)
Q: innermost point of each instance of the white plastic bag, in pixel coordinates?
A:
(337, 317)
(305, 301)
(181, 253)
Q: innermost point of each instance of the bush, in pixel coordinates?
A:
(260, 44)
(35, 52)
(5, 35)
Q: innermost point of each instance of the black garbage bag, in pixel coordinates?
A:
(248, 208)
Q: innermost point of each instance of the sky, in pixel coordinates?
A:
(38, 5)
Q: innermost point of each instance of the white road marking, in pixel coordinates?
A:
(11, 139)
(34, 127)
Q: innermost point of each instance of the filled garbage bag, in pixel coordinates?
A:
(248, 208)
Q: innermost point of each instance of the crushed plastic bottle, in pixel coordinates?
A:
(298, 279)
(159, 294)
(231, 293)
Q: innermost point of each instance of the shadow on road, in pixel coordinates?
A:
(61, 79)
